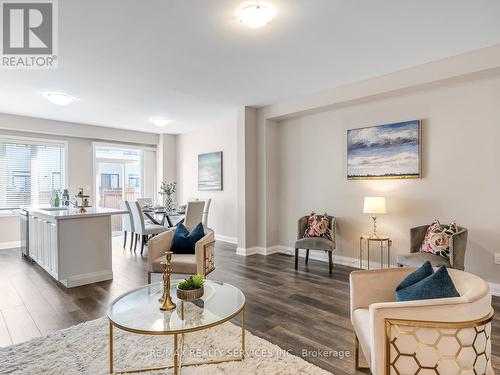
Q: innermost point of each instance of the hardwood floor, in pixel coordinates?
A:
(303, 310)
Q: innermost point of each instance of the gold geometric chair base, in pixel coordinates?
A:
(438, 348)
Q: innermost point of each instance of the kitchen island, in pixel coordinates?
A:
(73, 247)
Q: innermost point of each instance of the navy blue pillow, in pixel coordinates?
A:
(421, 273)
(184, 242)
(437, 285)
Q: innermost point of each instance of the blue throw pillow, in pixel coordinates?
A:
(421, 273)
(437, 285)
(184, 242)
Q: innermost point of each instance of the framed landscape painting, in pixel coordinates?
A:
(384, 151)
(210, 171)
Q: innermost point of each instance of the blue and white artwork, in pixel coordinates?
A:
(384, 151)
(210, 171)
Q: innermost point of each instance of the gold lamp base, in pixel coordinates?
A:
(374, 236)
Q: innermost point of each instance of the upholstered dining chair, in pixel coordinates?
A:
(314, 243)
(206, 208)
(415, 258)
(127, 223)
(202, 262)
(446, 336)
(194, 213)
(143, 202)
(141, 227)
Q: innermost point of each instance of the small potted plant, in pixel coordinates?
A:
(191, 289)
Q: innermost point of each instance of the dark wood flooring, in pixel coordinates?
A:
(304, 310)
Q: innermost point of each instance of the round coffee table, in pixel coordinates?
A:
(138, 311)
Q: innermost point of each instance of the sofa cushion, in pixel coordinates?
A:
(419, 274)
(184, 242)
(361, 324)
(314, 243)
(417, 259)
(437, 285)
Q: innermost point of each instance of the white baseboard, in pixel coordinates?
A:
(250, 251)
(229, 239)
(495, 289)
(10, 245)
(87, 278)
(322, 256)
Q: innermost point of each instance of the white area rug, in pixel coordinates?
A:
(84, 349)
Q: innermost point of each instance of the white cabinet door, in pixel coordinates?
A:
(34, 234)
(53, 247)
(45, 246)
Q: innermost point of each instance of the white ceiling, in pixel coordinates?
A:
(191, 61)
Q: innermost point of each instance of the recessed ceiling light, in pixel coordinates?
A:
(255, 14)
(159, 121)
(59, 99)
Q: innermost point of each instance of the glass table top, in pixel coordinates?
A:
(139, 309)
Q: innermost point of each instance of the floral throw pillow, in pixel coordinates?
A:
(318, 226)
(437, 239)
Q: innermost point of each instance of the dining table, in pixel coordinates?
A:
(166, 216)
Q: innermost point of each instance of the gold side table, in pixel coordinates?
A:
(384, 242)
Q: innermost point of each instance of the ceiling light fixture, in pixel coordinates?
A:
(256, 14)
(160, 122)
(59, 99)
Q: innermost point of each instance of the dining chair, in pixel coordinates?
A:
(145, 202)
(141, 228)
(206, 209)
(127, 223)
(194, 213)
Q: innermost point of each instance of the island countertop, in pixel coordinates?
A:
(60, 213)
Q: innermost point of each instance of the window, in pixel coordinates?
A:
(134, 180)
(110, 180)
(30, 170)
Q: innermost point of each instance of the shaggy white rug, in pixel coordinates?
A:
(84, 349)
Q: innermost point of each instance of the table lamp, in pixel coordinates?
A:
(373, 206)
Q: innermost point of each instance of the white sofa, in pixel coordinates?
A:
(450, 335)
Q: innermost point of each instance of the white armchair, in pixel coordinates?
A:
(201, 263)
(450, 335)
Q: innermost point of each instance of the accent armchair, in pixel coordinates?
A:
(416, 258)
(314, 243)
(202, 262)
(449, 335)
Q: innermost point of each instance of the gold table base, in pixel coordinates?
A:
(381, 240)
(177, 359)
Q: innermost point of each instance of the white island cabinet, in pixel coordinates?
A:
(73, 247)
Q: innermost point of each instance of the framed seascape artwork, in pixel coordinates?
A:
(210, 171)
(384, 151)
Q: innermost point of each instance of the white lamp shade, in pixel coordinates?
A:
(374, 205)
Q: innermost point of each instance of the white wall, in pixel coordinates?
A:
(461, 129)
(223, 211)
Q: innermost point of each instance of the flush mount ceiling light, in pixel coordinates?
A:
(255, 14)
(59, 98)
(158, 121)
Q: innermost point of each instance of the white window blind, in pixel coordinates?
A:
(30, 171)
